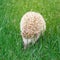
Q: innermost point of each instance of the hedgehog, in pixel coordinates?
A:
(32, 26)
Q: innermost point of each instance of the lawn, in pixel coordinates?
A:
(11, 44)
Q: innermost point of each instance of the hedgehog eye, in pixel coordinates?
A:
(35, 35)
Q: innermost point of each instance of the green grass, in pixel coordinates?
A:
(11, 44)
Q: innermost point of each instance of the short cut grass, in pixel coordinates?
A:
(11, 47)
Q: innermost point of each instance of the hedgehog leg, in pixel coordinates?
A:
(25, 46)
(25, 43)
